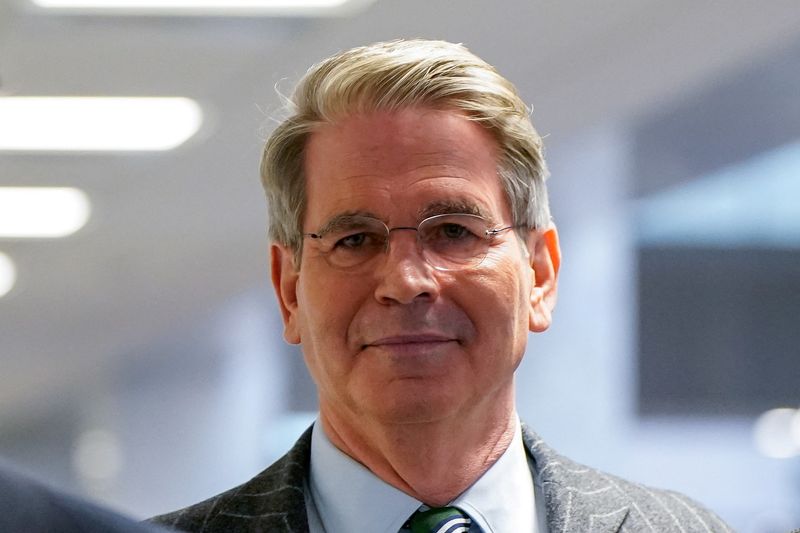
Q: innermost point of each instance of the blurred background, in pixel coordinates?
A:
(141, 358)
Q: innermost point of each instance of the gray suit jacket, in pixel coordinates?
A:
(577, 498)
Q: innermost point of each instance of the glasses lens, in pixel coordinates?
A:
(354, 241)
(454, 241)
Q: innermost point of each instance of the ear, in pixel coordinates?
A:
(284, 280)
(545, 259)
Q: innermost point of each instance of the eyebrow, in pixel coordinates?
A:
(348, 219)
(447, 207)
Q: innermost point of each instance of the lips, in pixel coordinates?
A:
(410, 342)
(409, 339)
(414, 327)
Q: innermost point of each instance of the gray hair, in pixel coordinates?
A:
(397, 75)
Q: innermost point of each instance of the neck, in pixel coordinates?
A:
(432, 461)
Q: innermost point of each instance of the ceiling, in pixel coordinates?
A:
(174, 235)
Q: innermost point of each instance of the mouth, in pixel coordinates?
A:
(411, 342)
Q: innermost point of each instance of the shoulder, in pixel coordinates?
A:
(578, 497)
(27, 505)
(271, 501)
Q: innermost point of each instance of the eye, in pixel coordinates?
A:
(354, 240)
(358, 240)
(451, 230)
(452, 235)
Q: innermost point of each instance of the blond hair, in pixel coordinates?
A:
(396, 75)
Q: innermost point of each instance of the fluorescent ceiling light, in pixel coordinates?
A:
(222, 7)
(90, 124)
(8, 274)
(35, 212)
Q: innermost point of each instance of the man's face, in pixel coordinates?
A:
(404, 342)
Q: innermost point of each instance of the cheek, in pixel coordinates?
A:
(500, 294)
(327, 305)
(505, 280)
(321, 315)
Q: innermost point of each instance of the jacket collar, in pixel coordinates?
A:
(576, 497)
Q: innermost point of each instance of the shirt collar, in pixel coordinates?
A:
(347, 495)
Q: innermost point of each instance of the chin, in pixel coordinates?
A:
(416, 407)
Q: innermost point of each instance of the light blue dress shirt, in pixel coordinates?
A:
(343, 496)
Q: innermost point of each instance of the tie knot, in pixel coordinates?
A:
(440, 520)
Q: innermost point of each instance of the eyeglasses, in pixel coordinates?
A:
(447, 242)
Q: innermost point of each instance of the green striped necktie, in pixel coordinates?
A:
(439, 520)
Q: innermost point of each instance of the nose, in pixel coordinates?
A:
(405, 276)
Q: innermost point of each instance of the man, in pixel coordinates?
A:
(29, 507)
(412, 252)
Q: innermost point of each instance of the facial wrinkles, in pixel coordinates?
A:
(521, 273)
(390, 142)
(439, 207)
(363, 196)
(385, 174)
(439, 317)
(374, 321)
(390, 158)
(393, 173)
(443, 316)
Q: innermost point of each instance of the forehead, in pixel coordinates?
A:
(393, 164)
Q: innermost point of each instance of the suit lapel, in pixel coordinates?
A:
(272, 501)
(576, 497)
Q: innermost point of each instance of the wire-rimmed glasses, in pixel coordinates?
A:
(452, 241)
